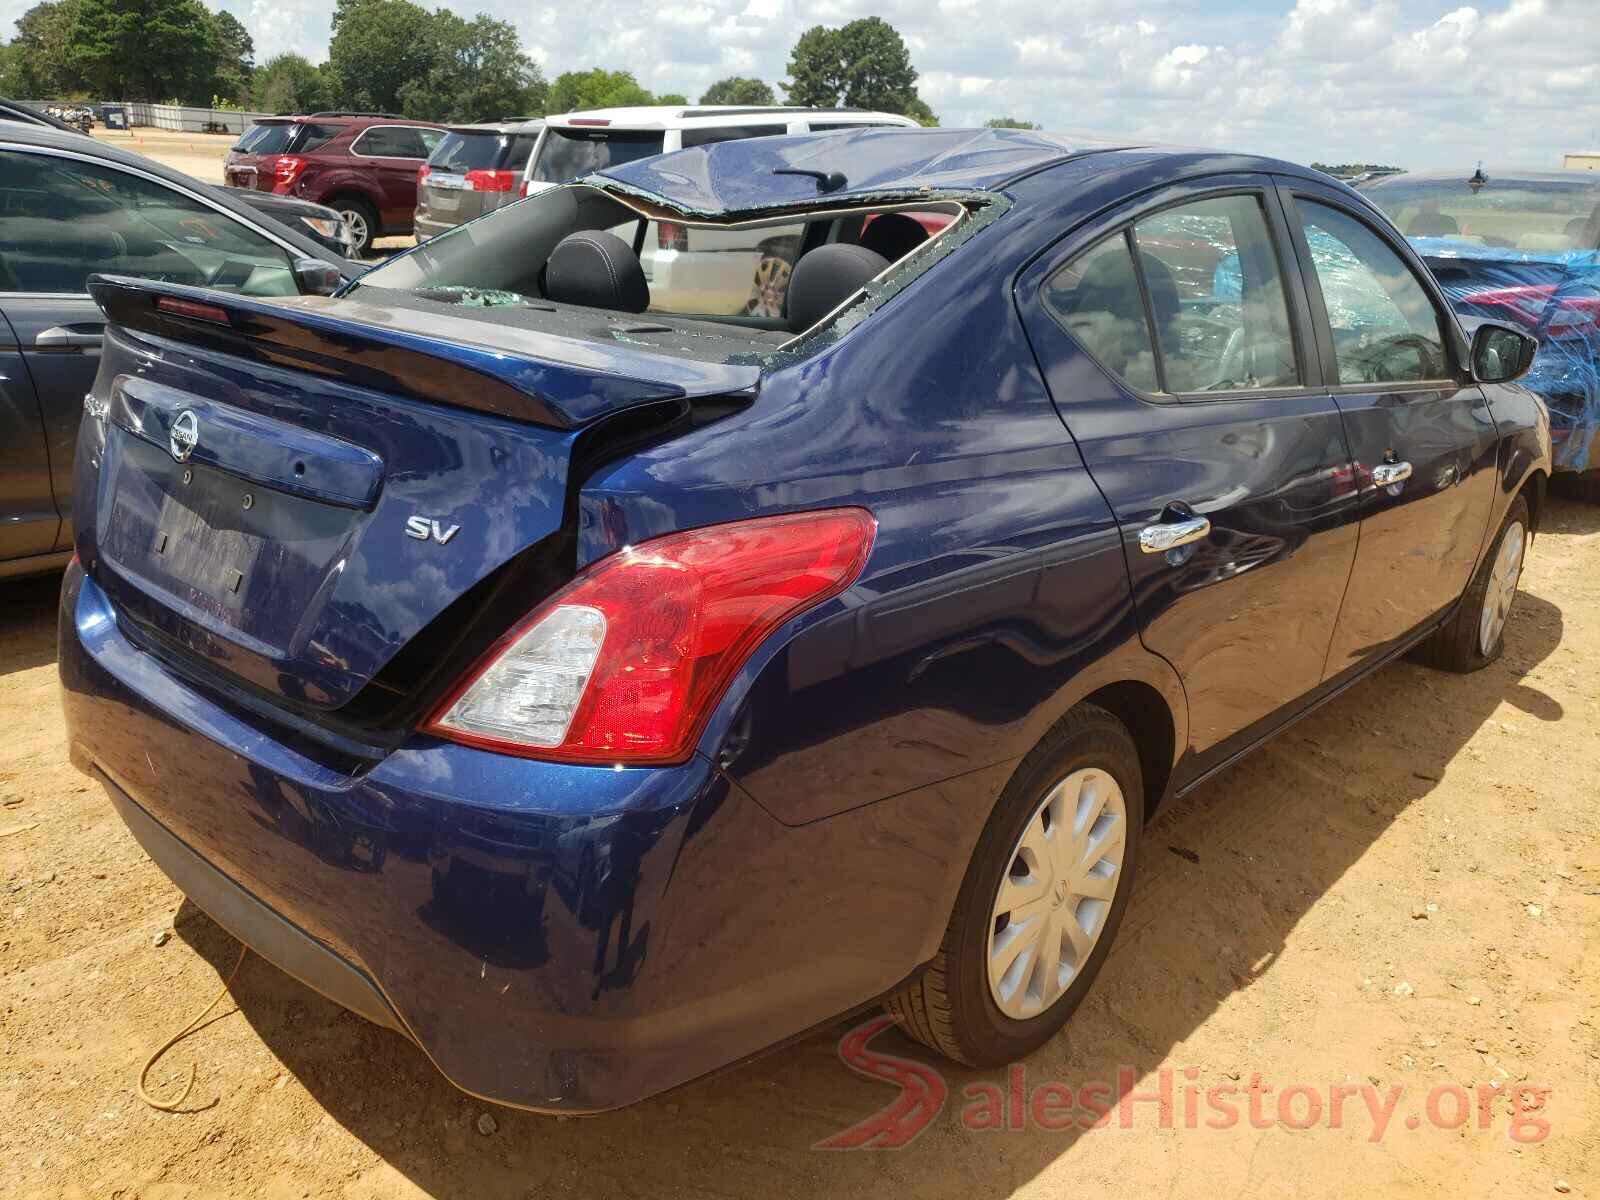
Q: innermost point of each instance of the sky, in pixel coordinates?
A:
(1416, 83)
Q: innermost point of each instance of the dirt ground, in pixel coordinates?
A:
(1402, 890)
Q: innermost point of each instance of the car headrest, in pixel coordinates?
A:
(893, 235)
(826, 277)
(597, 269)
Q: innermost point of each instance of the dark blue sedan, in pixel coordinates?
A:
(597, 692)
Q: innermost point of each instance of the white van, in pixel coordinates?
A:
(690, 269)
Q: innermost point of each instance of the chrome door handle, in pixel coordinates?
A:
(1390, 473)
(1164, 536)
(59, 337)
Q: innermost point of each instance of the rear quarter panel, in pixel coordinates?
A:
(995, 595)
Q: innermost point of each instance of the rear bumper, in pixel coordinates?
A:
(567, 939)
(426, 228)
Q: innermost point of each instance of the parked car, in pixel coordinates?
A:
(364, 165)
(598, 695)
(27, 114)
(71, 206)
(320, 223)
(1521, 247)
(473, 170)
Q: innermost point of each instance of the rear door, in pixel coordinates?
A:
(83, 217)
(28, 518)
(1422, 435)
(393, 153)
(1213, 438)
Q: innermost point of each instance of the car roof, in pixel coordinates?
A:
(695, 116)
(742, 175)
(87, 147)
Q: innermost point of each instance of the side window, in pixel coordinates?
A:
(517, 156)
(1385, 328)
(395, 141)
(1096, 298)
(430, 140)
(1222, 320)
(729, 133)
(65, 220)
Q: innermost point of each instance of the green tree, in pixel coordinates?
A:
(479, 73)
(378, 46)
(1008, 123)
(574, 91)
(41, 61)
(144, 49)
(737, 89)
(288, 83)
(236, 56)
(864, 64)
(672, 98)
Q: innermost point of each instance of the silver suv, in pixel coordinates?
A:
(474, 170)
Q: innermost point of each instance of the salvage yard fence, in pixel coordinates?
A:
(178, 117)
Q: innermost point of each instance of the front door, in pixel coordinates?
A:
(1421, 432)
(1174, 337)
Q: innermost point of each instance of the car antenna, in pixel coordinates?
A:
(827, 181)
(1478, 178)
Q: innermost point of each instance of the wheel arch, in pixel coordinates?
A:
(1149, 720)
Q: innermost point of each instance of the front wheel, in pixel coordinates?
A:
(1041, 901)
(1475, 635)
(361, 222)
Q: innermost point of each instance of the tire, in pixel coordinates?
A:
(953, 1007)
(1468, 641)
(361, 219)
(1577, 485)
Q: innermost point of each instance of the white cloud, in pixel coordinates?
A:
(1416, 82)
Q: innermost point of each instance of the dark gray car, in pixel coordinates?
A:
(474, 170)
(71, 207)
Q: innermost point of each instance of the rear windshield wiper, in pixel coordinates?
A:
(827, 181)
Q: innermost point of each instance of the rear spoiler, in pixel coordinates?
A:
(525, 375)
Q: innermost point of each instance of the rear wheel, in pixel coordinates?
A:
(362, 222)
(1475, 635)
(1042, 899)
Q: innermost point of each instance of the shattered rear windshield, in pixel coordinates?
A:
(722, 283)
(1534, 216)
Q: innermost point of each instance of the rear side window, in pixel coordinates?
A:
(1096, 297)
(265, 139)
(461, 152)
(521, 147)
(1222, 320)
(730, 133)
(1385, 328)
(396, 141)
(313, 136)
(569, 154)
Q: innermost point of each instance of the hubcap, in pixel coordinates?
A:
(1502, 588)
(1052, 903)
(357, 225)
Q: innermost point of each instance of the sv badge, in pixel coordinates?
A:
(426, 529)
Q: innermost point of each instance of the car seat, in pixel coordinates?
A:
(598, 270)
(825, 278)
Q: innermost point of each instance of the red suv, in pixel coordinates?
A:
(363, 164)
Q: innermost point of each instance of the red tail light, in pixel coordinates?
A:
(491, 181)
(422, 173)
(1525, 304)
(628, 662)
(672, 236)
(285, 170)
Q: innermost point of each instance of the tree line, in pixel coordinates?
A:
(396, 56)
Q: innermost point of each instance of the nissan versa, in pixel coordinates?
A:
(598, 695)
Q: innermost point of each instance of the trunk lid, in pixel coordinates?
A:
(290, 491)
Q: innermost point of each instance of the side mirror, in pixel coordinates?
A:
(317, 278)
(1501, 353)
